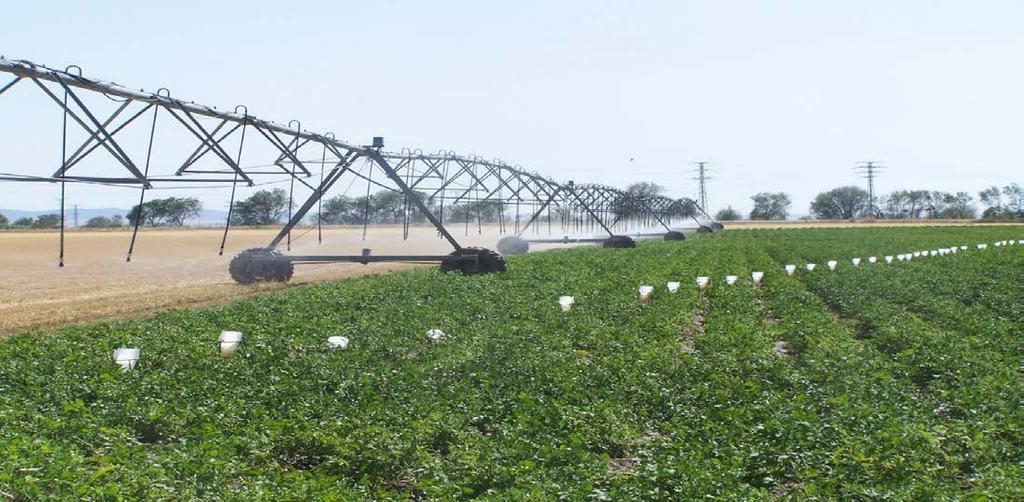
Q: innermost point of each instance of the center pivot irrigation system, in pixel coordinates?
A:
(155, 141)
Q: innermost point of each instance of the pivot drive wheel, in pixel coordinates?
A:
(675, 236)
(717, 226)
(487, 261)
(511, 245)
(260, 264)
(619, 241)
(704, 229)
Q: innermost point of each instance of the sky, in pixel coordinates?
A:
(778, 96)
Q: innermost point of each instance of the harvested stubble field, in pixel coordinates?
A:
(893, 380)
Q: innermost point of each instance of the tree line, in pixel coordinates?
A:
(270, 207)
(850, 202)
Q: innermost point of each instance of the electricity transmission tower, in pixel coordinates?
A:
(702, 171)
(870, 169)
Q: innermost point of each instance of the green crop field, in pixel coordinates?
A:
(899, 380)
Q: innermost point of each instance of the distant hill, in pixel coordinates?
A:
(206, 216)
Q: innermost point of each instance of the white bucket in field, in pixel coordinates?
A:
(872, 259)
(672, 286)
(566, 302)
(933, 253)
(756, 277)
(963, 248)
(888, 259)
(337, 342)
(127, 358)
(435, 335)
(982, 246)
(916, 254)
(645, 294)
(731, 279)
(702, 283)
(832, 264)
(810, 267)
(954, 249)
(790, 269)
(228, 342)
(856, 262)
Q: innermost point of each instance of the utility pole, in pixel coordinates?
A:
(702, 171)
(870, 169)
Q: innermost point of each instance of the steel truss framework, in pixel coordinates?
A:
(435, 188)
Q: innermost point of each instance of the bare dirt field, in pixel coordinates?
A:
(180, 268)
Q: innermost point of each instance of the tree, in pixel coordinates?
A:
(1014, 194)
(47, 221)
(905, 204)
(770, 206)
(727, 214)
(105, 222)
(4, 222)
(23, 222)
(993, 198)
(386, 206)
(840, 203)
(958, 207)
(633, 202)
(171, 212)
(264, 207)
(645, 189)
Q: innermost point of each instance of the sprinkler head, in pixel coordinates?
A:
(790, 269)
(810, 267)
(730, 279)
(872, 259)
(756, 277)
(435, 335)
(672, 286)
(856, 262)
(832, 264)
(888, 259)
(566, 302)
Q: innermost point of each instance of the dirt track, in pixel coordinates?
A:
(181, 268)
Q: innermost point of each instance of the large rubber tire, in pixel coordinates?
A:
(259, 265)
(717, 226)
(675, 236)
(619, 242)
(487, 261)
(704, 229)
(513, 245)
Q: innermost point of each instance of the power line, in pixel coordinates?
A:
(702, 171)
(870, 169)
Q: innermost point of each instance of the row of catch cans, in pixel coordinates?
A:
(645, 292)
(833, 264)
(229, 341)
